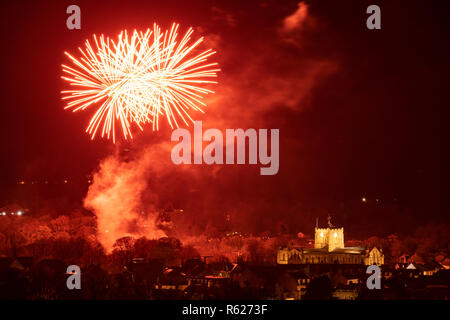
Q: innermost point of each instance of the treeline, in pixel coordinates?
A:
(426, 244)
(73, 239)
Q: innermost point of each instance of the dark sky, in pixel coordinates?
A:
(370, 124)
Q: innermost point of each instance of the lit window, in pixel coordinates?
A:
(321, 234)
(335, 234)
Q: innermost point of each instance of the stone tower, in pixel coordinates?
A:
(330, 237)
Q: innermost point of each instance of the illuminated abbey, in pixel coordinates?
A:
(329, 249)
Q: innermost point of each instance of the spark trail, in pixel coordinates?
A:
(137, 79)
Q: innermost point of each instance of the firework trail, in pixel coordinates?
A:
(137, 79)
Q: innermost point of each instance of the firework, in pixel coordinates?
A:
(137, 79)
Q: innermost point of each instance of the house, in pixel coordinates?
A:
(424, 269)
(445, 264)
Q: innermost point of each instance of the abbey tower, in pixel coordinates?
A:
(331, 237)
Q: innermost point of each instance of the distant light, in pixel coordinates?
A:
(321, 234)
(19, 213)
(335, 234)
(4, 213)
(12, 213)
(363, 199)
(65, 181)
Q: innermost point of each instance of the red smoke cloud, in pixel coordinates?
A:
(257, 81)
(297, 19)
(116, 199)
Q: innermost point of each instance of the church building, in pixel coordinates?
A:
(329, 249)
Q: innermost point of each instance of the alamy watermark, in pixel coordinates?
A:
(213, 153)
(74, 20)
(374, 20)
(374, 281)
(74, 280)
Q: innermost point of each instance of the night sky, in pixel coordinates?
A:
(360, 111)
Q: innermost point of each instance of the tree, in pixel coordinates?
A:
(123, 251)
(143, 247)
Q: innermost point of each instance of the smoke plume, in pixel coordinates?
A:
(257, 89)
